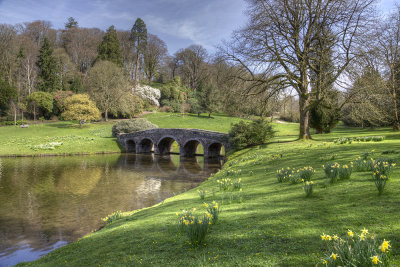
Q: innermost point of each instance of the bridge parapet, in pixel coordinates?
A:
(160, 141)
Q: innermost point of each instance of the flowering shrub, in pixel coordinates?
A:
(308, 187)
(202, 194)
(306, 173)
(214, 210)
(284, 175)
(361, 250)
(331, 171)
(195, 227)
(112, 217)
(345, 171)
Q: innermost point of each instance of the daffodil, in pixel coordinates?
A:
(334, 256)
(350, 233)
(375, 259)
(364, 231)
(385, 245)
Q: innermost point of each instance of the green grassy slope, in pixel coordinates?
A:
(275, 225)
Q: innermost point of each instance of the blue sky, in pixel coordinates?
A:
(179, 23)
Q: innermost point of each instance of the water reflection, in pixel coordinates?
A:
(48, 202)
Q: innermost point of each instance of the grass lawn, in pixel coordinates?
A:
(275, 225)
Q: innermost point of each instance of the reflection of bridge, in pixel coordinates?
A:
(165, 165)
(160, 141)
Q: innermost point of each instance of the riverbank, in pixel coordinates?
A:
(272, 224)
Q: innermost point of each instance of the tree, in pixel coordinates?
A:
(275, 47)
(139, 39)
(154, 53)
(106, 85)
(40, 102)
(389, 47)
(7, 95)
(109, 48)
(71, 23)
(209, 98)
(8, 51)
(48, 78)
(80, 107)
(191, 65)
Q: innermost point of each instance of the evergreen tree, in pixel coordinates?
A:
(71, 23)
(139, 39)
(109, 49)
(48, 78)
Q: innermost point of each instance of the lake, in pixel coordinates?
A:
(47, 202)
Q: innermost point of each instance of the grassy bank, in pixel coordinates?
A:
(275, 225)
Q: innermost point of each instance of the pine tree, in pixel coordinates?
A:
(109, 49)
(72, 23)
(48, 78)
(139, 39)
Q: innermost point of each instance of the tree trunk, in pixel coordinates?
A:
(34, 112)
(106, 115)
(136, 71)
(396, 125)
(304, 119)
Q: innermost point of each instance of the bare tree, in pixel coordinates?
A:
(389, 49)
(276, 47)
(154, 54)
(191, 64)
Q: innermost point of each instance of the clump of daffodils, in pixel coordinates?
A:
(285, 174)
(306, 173)
(202, 194)
(345, 171)
(224, 184)
(113, 217)
(213, 209)
(331, 171)
(361, 249)
(195, 227)
(308, 187)
(381, 173)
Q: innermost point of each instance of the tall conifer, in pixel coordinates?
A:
(109, 49)
(48, 78)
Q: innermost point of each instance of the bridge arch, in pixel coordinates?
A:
(189, 149)
(145, 145)
(130, 146)
(165, 144)
(215, 150)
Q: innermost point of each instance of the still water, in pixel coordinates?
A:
(48, 202)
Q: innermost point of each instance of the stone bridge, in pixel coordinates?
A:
(160, 141)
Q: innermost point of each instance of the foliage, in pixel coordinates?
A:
(245, 134)
(80, 107)
(363, 165)
(202, 194)
(48, 78)
(129, 126)
(224, 184)
(40, 102)
(361, 250)
(306, 173)
(107, 84)
(59, 100)
(7, 94)
(129, 106)
(109, 48)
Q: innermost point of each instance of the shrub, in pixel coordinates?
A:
(331, 171)
(362, 250)
(244, 134)
(308, 187)
(129, 126)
